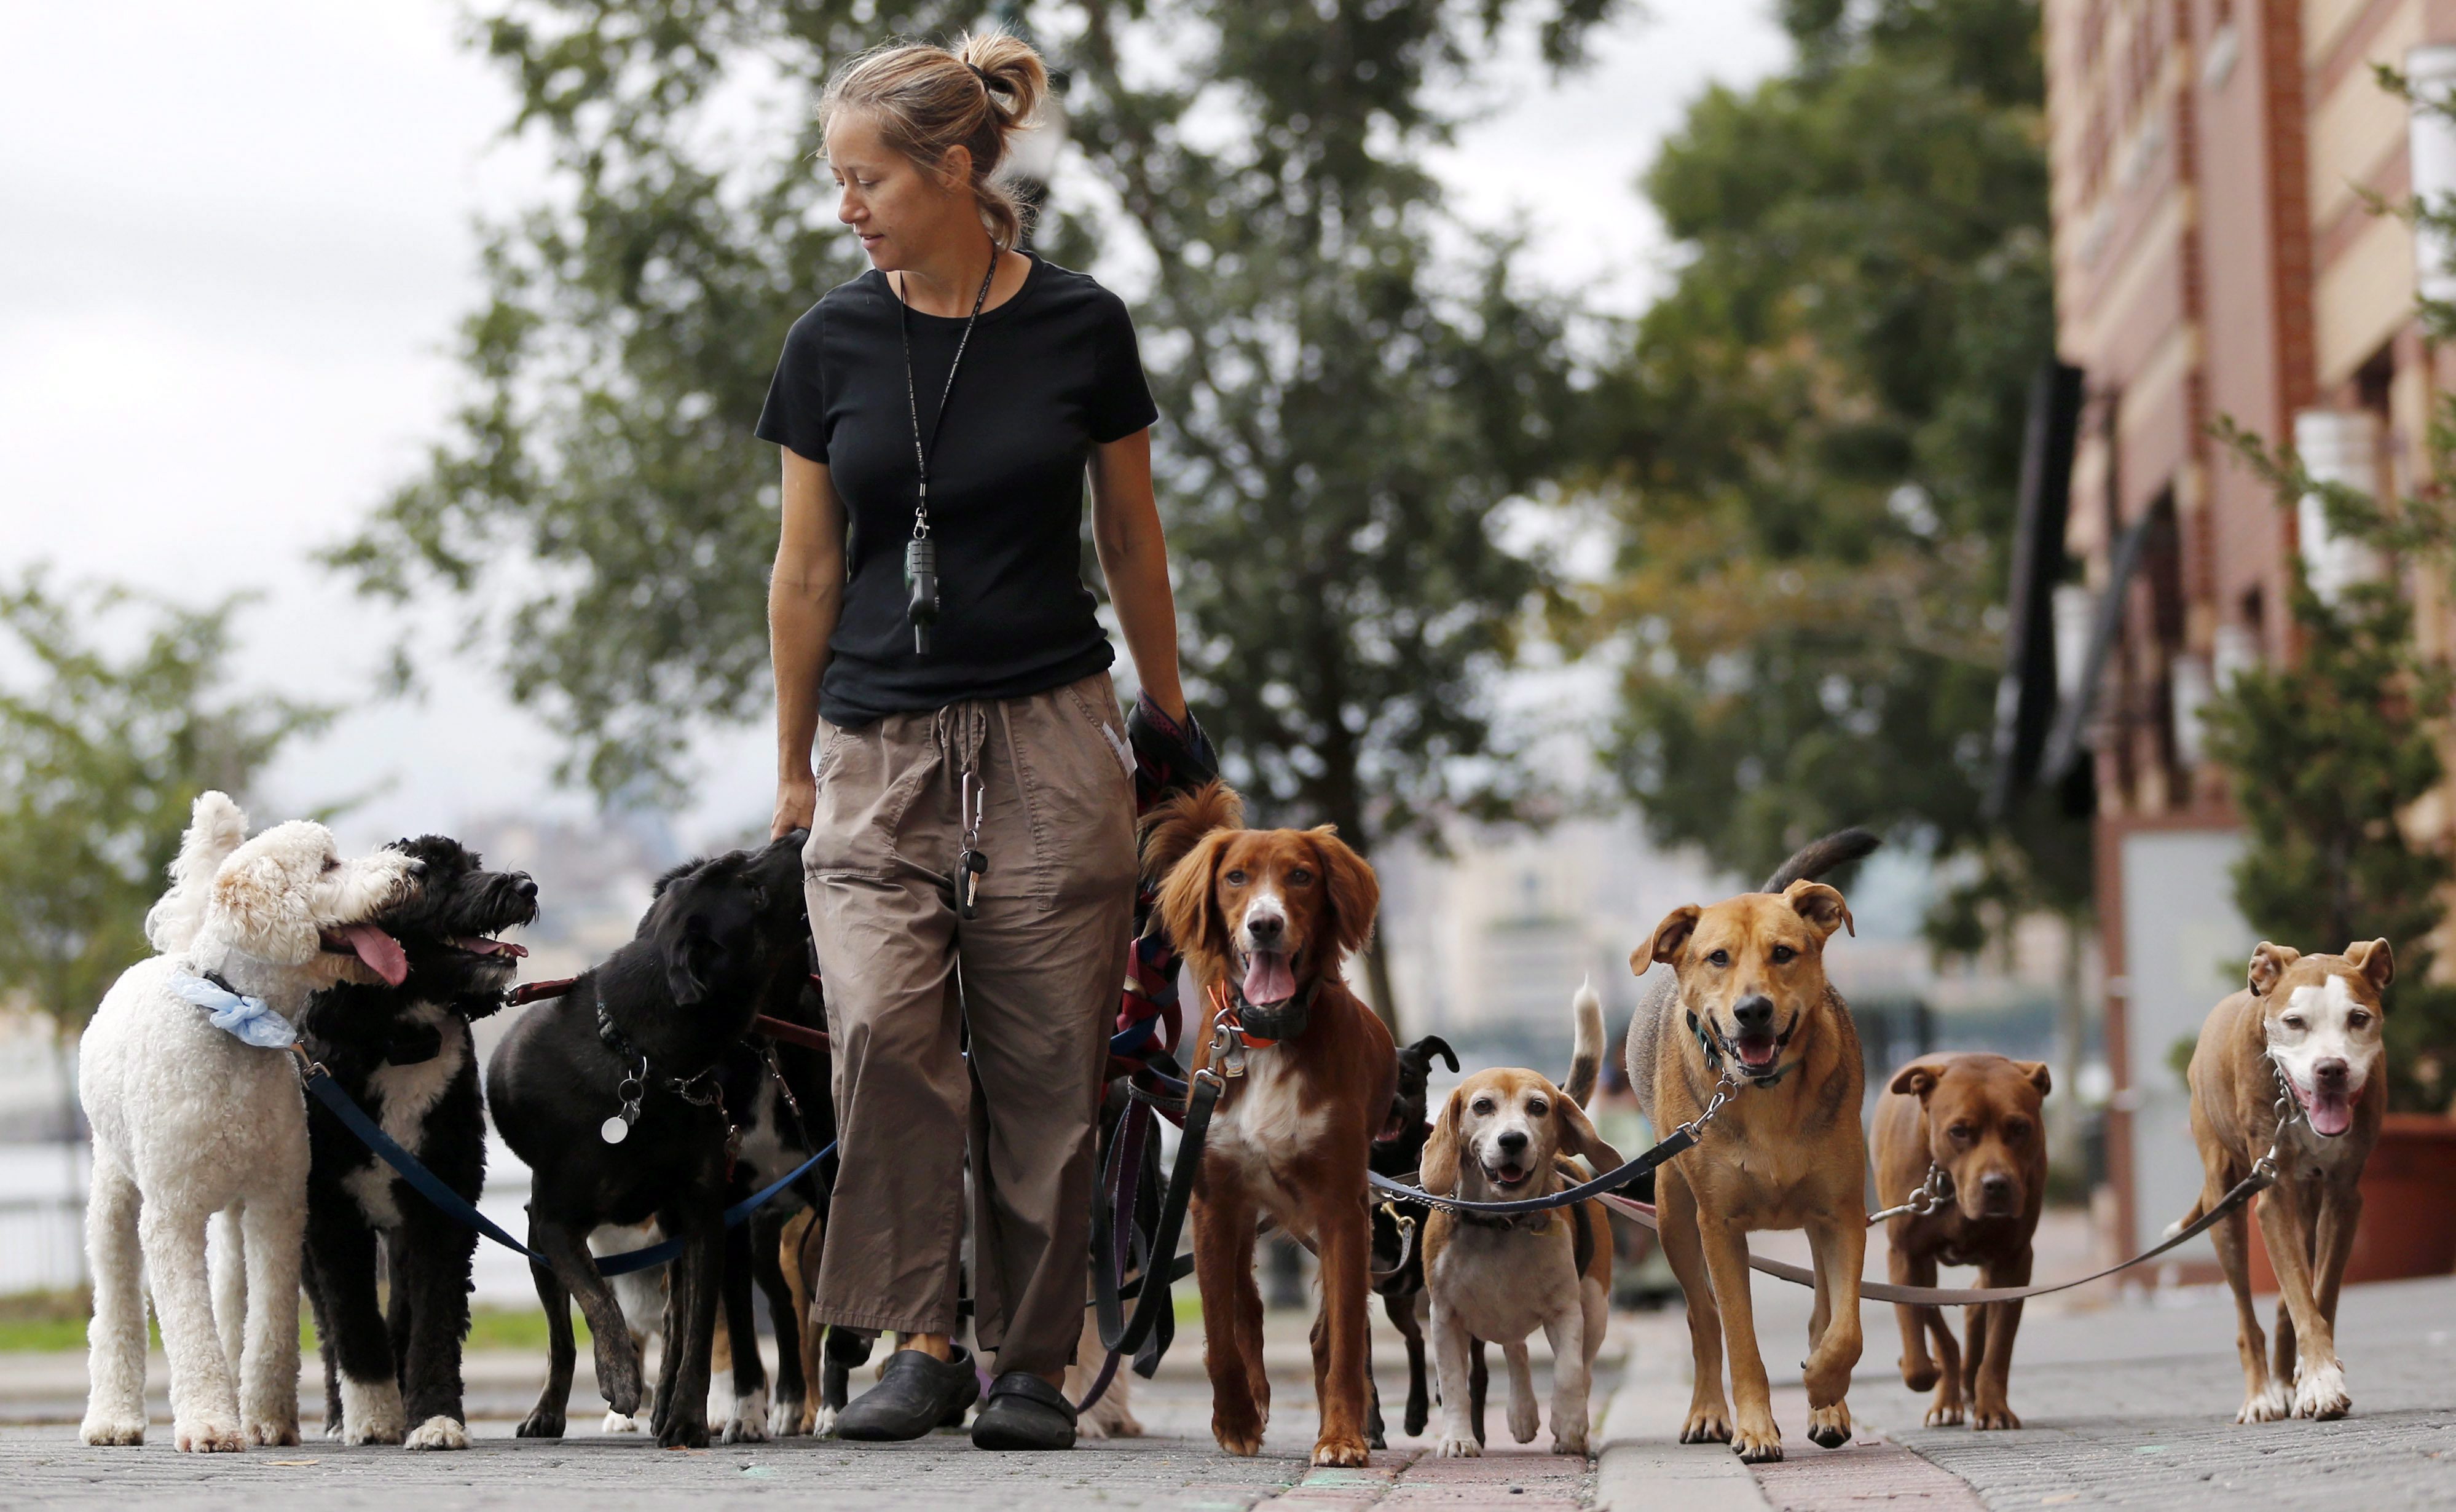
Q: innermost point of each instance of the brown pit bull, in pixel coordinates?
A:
(1976, 1120)
(1749, 1000)
(2312, 1021)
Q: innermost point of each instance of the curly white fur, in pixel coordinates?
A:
(188, 1122)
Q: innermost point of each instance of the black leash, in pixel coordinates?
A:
(1161, 1261)
(1682, 1140)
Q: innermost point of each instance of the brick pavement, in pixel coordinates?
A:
(2129, 1405)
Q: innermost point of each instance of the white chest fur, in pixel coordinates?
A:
(400, 1097)
(1266, 1129)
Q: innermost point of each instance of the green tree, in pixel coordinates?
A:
(1814, 446)
(1345, 410)
(100, 756)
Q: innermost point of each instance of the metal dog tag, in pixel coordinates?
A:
(614, 1130)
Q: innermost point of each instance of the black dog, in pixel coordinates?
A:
(403, 1053)
(612, 1094)
(1398, 1260)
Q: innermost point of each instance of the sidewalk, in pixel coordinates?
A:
(2126, 1405)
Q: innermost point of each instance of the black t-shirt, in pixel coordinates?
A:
(1049, 373)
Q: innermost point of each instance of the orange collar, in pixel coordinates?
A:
(1224, 1012)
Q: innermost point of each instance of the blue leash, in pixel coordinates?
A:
(432, 1187)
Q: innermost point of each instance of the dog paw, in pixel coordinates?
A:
(684, 1430)
(784, 1419)
(333, 1430)
(1829, 1427)
(1454, 1447)
(370, 1412)
(1342, 1451)
(1707, 1425)
(1523, 1421)
(748, 1423)
(1569, 1443)
(109, 1432)
(1921, 1377)
(208, 1438)
(1241, 1440)
(2322, 1393)
(273, 1432)
(542, 1425)
(824, 1424)
(438, 1431)
(619, 1422)
(1992, 1420)
(1945, 1413)
(2270, 1404)
(1759, 1445)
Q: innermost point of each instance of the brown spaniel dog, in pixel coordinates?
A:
(1265, 918)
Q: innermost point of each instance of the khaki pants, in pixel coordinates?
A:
(1034, 979)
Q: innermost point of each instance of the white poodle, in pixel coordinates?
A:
(190, 1119)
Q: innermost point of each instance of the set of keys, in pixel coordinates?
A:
(969, 862)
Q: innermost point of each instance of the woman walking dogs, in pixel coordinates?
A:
(971, 867)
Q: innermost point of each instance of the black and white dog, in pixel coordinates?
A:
(403, 1053)
(612, 1094)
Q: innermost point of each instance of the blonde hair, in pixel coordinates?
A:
(928, 100)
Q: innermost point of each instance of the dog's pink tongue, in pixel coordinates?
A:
(380, 950)
(2331, 1113)
(1268, 979)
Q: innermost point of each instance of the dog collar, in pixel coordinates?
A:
(250, 1020)
(1263, 1026)
(702, 1089)
(1715, 1056)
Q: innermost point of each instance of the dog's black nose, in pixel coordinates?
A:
(2329, 1072)
(1754, 1013)
(1996, 1188)
(1265, 930)
(1514, 1141)
(527, 886)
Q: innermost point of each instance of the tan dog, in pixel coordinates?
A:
(1266, 917)
(1501, 1135)
(1976, 1122)
(2314, 1020)
(1750, 1002)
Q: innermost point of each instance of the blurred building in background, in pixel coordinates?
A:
(2218, 253)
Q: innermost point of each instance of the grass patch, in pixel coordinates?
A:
(53, 1322)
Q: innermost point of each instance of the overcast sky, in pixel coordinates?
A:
(235, 245)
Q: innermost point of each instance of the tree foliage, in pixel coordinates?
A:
(1815, 444)
(1345, 409)
(101, 755)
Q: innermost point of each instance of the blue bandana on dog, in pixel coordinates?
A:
(250, 1019)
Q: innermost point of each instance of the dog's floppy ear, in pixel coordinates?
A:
(1574, 1135)
(1354, 891)
(217, 826)
(1189, 901)
(1438, 1173)
(1918, 1078)
(267, 916)
(1670, 936)
(2035, 1073)
(691, 963)
(2268, 963)
(2375, 961)
(1821, 907)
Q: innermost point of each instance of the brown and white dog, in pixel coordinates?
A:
(1749, 1000)
(2315, 1021)
(1265, 918)
(1501, 1135)
(1978, 1119)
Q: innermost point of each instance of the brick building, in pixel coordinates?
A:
(2216, 258)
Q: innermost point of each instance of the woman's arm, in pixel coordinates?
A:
(1134, 555)
(805, 594)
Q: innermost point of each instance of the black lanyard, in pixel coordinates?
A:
(921, 553)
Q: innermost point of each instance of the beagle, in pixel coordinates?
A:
(1505, 1135)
